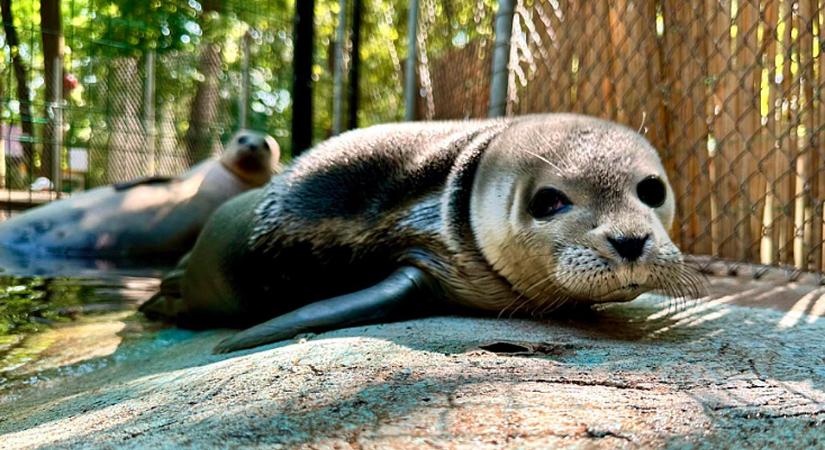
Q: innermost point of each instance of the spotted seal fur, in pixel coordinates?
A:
(154, 216)
(519, 214)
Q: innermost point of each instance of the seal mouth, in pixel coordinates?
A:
(623, 293)
(251, 161)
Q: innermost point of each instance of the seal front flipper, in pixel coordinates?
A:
(168, 303)
(399, 296)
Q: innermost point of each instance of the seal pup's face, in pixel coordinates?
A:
(569, 208)
(252, 156)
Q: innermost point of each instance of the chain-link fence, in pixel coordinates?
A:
(728, 91)
(122, 89)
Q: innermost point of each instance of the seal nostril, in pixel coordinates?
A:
(629, 248)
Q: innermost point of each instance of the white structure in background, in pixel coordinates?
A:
(77, 170)
(42, 184)
(10, 149)
(78, 167)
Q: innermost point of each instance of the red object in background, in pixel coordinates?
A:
(69, 83)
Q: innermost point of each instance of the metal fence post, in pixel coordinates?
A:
(410, 85)
(338, 71)
(149, 112)
(355, 68)
(243, 105)
(501, 54)
(57, 110)
(302, 76)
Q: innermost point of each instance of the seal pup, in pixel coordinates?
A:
(519, 214)
(153, 216)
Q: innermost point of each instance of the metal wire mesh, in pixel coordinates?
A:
(145, 88)
(455, 44)
(729, 92)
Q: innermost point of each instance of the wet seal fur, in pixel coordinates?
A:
(147, 217)
(400, 220)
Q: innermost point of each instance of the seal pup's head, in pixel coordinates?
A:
(251, 156)
(569, 208)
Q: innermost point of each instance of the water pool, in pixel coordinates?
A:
(59, 315)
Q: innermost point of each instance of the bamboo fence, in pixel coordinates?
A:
(728, 91)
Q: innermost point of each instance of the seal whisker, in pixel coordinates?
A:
(554, 166)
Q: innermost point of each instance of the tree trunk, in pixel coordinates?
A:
(23, 95)
(172, 159)
(51, 29)
(355, 71)
(302, 76)
(202, 137)
(410, 80)
(338, 70)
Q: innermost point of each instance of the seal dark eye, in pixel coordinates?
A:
(652, 191)
(548, 202)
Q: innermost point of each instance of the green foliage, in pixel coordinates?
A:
(98, 33)
(28, 303)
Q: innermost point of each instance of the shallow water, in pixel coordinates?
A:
(59, 313)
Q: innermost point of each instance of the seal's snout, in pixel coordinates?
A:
(630, 248)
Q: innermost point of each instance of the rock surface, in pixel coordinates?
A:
(715, 373)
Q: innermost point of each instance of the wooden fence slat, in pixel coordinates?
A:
(654, 102)
(818, 155)
(786, 151)
(768, 244)
(676, 30)
(805, 168)
(748, 120)
(620, 14)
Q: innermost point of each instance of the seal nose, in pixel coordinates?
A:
(629, 248)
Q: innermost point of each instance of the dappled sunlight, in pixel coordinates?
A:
(701, 305)
(817, 310)
(74, 343)
(798, 311)
(65, 345)
(796, 302)
(703, 310)
(57, 429)
(149, 197)
(394, 385)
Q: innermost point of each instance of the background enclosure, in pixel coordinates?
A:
(729, 92)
